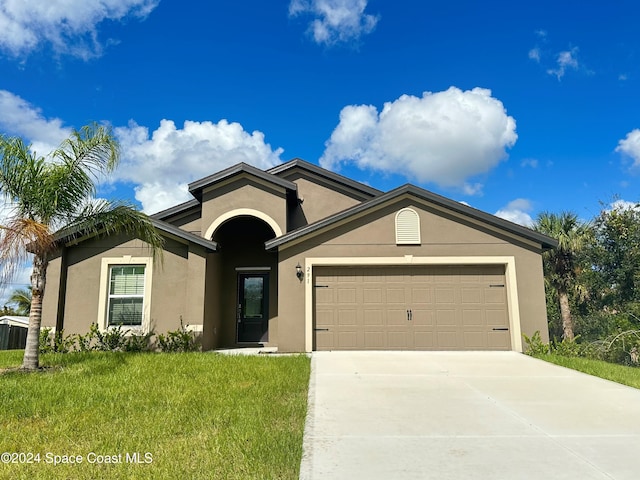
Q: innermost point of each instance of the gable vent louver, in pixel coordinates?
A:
(407, 227)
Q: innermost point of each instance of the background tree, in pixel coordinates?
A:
(58, 193)
(561, 265)
(21, 300)
(614, 255)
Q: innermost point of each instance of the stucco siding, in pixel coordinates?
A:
(243, 193)
(319, 202)
(177, 284)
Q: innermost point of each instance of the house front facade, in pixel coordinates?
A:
(300, 258)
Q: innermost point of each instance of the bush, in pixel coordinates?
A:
(535, 345)
(622, 348)
(45, 342)
(180, 340)
(567, 348)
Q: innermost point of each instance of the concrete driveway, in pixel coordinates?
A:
(465, 415)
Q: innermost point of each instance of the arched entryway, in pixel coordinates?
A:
(247, 281)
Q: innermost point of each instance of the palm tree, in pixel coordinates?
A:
(561, 264)
(21, 298)
(57, 193)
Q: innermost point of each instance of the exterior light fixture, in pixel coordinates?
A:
(299, 272)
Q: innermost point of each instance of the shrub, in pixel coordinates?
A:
(535, 345)
(45, 343)
(567, 348)
(180, 340)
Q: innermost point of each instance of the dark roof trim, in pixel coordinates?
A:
(169, 212)
(180, 234)
(195, 188)
(164, 227)
(545, 241)
(335, 177)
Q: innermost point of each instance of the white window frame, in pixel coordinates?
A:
(103, 302)
(411, 234)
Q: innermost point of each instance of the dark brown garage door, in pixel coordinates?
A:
(411, 308)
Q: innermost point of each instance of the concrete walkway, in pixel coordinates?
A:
(465, 415)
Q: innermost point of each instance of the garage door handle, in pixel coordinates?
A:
(409, 315)
(501, 329)
(320, 329)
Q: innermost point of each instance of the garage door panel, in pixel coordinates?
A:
(422, 317)
(498, 340)
(420, 296)
(445, 318)
(495, 295)
(423, 340)
(375, 339)
(373, 317)
(396, 295)
(416, 307)
(397, 340)
(496, 318)
(372, 295)
(448, 339)
(346, 295)
(473, 318)
(471, 295)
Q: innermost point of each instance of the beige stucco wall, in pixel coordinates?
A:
(319, 201)
(178, 286)
(244, 193)
(442, 236)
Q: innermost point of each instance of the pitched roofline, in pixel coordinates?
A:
(323, 172)
(184, 235)
(161, 215)
(63, 236)
(196, 187)
(545, 241)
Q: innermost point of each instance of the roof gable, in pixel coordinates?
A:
(339, 182)
(420, 194)
(196, 188)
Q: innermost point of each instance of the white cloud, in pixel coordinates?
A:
(621, 205)
(534, 54)
(164, 162)
(516, 211)
(19, 118)
(565, 60)
(630, 145)
(529, 162)
(336, 21)
(70, 26)
(444, 137)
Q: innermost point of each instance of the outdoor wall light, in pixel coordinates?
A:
(299, 272)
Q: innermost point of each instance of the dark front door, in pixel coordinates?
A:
(253, 307)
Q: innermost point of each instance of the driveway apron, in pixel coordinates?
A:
(465, 415)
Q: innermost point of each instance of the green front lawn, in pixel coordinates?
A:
(189, 415)
(617, 373)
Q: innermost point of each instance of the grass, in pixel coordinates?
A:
(617, 373)
(198, 415)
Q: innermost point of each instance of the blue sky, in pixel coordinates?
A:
(513, 108)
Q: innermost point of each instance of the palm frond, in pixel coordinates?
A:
(104, 217)
(21, 298)
(92, 149)
(20, 237)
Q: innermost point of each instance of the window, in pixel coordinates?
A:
(407, 227)
(126, 295)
